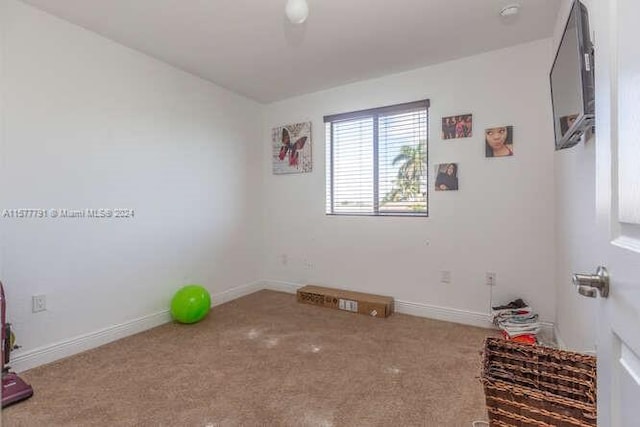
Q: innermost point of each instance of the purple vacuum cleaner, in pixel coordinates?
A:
(14, 389)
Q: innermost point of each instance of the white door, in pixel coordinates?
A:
(617, 36)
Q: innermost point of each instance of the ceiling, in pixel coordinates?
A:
(249, 47)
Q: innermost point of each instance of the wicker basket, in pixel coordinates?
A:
(528, 385)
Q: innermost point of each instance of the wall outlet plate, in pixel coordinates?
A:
(445, 276)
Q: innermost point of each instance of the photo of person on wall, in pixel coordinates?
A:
(457, 126)
(447, 178)
(499, 141)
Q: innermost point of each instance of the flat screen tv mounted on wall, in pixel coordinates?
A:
(572, 81)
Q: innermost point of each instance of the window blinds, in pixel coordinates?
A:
(377, 161)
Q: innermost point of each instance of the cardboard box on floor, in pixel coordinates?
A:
(355, 302)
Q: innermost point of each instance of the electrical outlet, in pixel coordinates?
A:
(38, 303)
(445, 277)
(491, 279)
(284, 259)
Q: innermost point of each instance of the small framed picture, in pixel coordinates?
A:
(447, 179)
(457, 126)
(498, 141)
(291, 148)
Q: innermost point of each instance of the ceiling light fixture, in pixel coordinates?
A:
(297, 11)
(510, 10)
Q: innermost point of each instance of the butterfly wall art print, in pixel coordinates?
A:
(291, 145)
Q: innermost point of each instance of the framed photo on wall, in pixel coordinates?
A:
(291, 148)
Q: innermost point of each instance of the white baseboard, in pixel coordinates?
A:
(235, 293)
(274, 285)
(50, 353)
(465, 317)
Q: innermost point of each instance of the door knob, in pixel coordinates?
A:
(587, 284)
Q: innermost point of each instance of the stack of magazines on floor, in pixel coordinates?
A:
(517, 321)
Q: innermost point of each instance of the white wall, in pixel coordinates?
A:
(575, 209)
(88, 123)
(501, 220)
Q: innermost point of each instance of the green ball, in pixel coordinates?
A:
(190, 304)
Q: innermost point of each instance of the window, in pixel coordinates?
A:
(377, 161)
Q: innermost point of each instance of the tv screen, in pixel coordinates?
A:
(572, 85)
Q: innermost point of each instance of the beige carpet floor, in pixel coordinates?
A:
(266, 360)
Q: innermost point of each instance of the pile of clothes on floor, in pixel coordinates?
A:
(517, 321)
